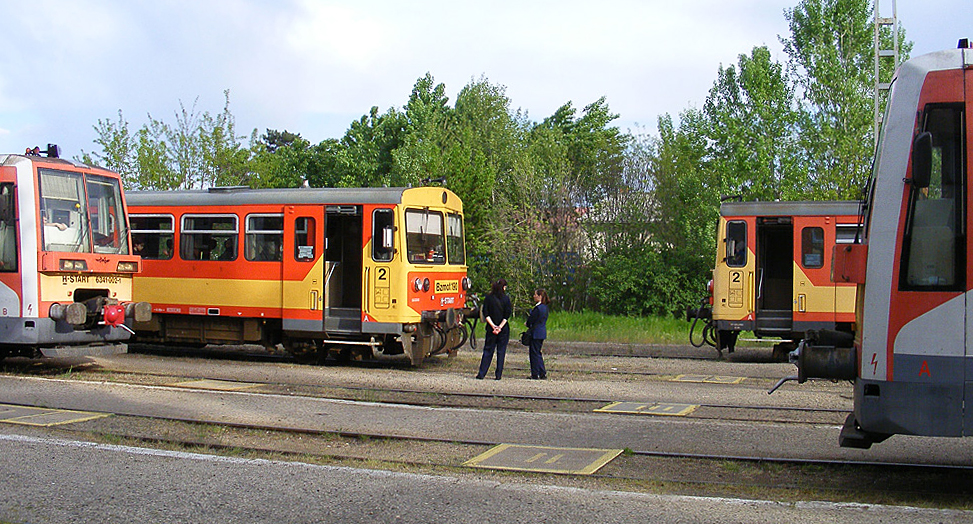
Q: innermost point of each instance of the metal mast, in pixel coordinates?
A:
(882, 87)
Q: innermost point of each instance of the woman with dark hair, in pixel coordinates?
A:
(496, 313)
(537, 327)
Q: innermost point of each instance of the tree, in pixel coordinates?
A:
(752, 121)
(832, 50)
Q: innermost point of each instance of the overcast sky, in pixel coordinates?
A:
(313, 66)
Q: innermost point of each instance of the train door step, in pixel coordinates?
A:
(774, 321)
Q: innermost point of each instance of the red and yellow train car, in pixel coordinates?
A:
(66, 266)
(773, 271)
(346, 271)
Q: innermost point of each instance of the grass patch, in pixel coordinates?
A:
(597, 327)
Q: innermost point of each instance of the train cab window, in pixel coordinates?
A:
(383, 235)
(424, 240)
(152, 236)
(304, 239)
(812, 247)
(64, 226)
(8, 228)
(934, 246)
(265, 238)
(455, 248)
(106, 216)
(208, 237)
(736, 243)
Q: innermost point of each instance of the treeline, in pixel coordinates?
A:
(618, 222)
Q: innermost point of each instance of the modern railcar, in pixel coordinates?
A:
(66, 266)
(772, 273)
(911, 357)
(349, 272)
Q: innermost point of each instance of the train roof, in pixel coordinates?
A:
(222, 196)
(791, 208)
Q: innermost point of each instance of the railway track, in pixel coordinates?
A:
(713, 473)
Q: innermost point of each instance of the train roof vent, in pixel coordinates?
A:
(227, 189)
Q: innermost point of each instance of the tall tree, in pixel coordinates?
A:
(753, 120)
(832, 48)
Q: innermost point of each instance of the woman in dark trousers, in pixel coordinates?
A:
(537, 327)
(496, 312)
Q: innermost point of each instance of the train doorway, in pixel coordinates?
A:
(775, 276)
(343, 270)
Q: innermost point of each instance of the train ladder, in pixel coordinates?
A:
(881, 88)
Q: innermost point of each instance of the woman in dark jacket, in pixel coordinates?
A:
(537, 327)
(496, 313)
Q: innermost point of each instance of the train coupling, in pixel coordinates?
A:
(825, 354)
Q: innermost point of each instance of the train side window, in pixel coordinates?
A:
(264, 239)
(455, 248)
(736, 243)
(812, 247)
(208, 237)
(152, 236)
(934, 243)
(8, 229)
(383, 235)
(304, 239)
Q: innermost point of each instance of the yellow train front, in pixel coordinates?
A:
(772, 272)
(343, 271)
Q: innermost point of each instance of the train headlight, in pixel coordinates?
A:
(417, 284)
(73, 265)
(467, 283)
(425, 285)
(128, 267)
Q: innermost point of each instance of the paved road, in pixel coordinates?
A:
(57, 481)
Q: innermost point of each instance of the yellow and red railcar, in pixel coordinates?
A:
(347, 271)
(66, 265)
(773, 272)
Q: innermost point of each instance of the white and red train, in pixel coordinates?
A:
(911, 358)
(66, 266)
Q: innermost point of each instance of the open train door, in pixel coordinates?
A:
(775, 276)
(304, 272)
(343, 270)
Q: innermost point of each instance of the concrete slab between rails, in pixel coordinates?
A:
(649, 408)
(708, 379)
(218, 385)
(543, 459)
(31, 416)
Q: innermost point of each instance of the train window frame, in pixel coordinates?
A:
(933, 256)
(262, 244)
(812, 247)
(455, 249)
(736, 243)
(383, 234)
(63, 211)
(204, 244)
(305, 241)
(164, 243)
(8, 228)
(421, 243)
(846, 233)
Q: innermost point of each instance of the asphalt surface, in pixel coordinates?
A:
(58, 481)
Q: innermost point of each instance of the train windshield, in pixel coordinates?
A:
(424, 236)
(82, 213)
